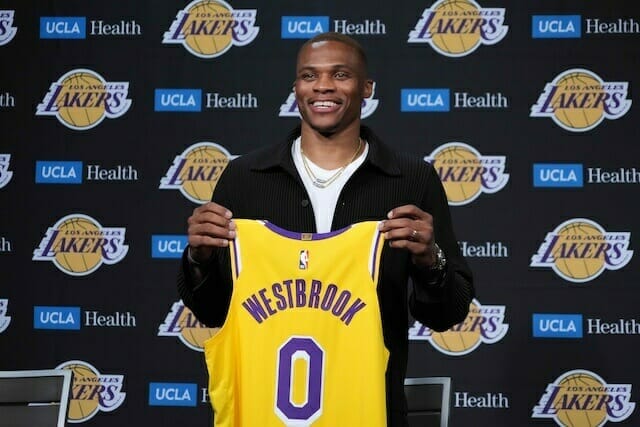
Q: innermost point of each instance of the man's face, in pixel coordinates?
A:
(330, 86)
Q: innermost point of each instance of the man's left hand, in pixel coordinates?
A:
(411, 228)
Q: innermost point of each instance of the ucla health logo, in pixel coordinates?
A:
(579, 250)
(290, 106)
(92, 392)
(168, 245)
(208, 28)
(173, 394)
(465, 173)
(178, 100)
(556, 26)
(78, 245)
(63, 27)
(484, 324)
(196, 171)
(7, 30)
(557, 325)
(5, 173)
(303, 27)
(578, 100)
(58, 172)
(557, 175)
(82, 98)
(181, 323)
(581, 398)
(4, 319)
(457, 28)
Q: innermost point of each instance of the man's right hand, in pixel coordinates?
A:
(210, 226)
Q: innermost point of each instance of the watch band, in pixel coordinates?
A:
(441, 259)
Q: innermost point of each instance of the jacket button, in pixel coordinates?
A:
(304, 203)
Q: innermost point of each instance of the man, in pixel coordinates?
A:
(330, 173)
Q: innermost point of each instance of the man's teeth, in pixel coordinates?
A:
(324, 104)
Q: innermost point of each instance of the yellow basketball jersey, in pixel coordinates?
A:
(302, 343)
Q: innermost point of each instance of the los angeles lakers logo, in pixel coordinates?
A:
(4, 319)
(465, 173)
(484, 324)
(7, 30)
(581, 398)
(579, 250)
(5, 173)
(196, 171)
(181, 323)
(208, 28)
(82, 98)
(578, 100)
(290, 106)
(78, 245)
(91, 391)
(458, 27)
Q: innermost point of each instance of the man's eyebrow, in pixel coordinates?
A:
(331, 66)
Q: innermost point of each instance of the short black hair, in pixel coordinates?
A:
(340, 38)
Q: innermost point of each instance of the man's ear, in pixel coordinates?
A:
(368, 88)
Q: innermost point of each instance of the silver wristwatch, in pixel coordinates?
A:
(441, 259)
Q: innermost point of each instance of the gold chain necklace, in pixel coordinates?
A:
(324, 183)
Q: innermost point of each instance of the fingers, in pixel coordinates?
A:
(410, 228)
(210, 225)
(407, 211)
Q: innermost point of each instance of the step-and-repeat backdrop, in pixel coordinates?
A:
(118, 117)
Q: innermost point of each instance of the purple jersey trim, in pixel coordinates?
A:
(304, 236)
(374, 258)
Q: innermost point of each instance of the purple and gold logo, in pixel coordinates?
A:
(466, 174)
(78, 245)
(208, 28)
(4, 319)
(196, 171)
(5, 173)
(582, 398)
(82, 98)
(578, 100)
(181, 323)
(579, 250)
(7, 30)
(91, 391)
(484, 324)
(458, 27)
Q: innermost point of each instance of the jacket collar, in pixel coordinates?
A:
(379, 156)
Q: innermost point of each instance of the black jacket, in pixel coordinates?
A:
(265, 185)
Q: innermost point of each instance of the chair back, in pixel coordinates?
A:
(428, 401)
(35, 398)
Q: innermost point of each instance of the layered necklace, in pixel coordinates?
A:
(324, 183)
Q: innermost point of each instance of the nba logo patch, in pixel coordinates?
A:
(303, 262)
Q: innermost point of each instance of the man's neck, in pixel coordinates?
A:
(331, 151)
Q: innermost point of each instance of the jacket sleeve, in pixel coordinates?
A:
(441, 304)
(208, 297)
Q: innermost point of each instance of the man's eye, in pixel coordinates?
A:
(307, 76)
(341, 75)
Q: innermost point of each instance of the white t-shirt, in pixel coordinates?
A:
(324, 200)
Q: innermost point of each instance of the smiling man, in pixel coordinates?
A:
(332, 175)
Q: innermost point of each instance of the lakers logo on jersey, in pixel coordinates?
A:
(308, 306)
